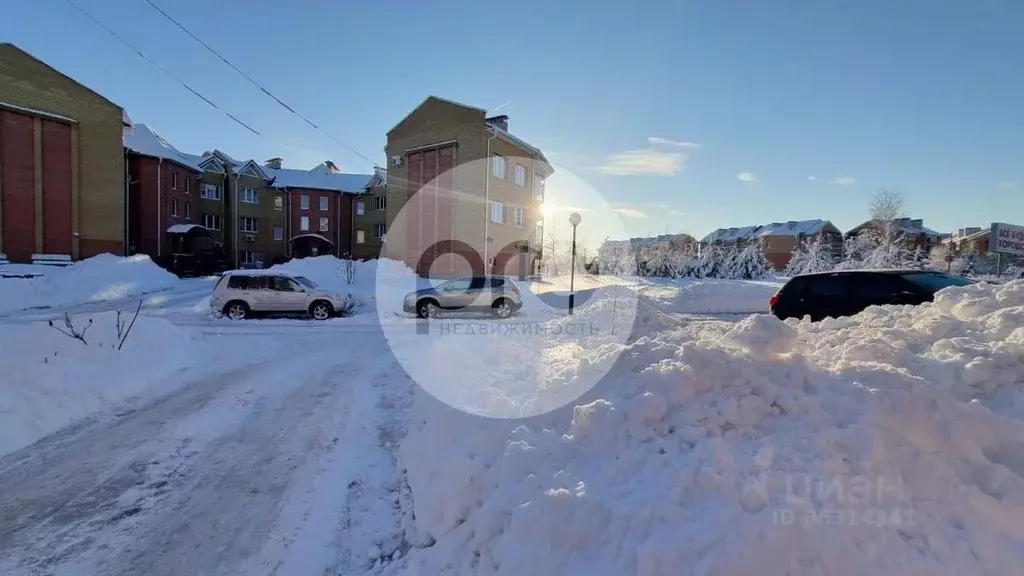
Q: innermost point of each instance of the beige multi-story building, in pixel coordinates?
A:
(463, 193)
(62, 166)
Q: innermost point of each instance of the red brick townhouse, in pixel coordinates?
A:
(319, 207)
(163, 185)
(62, 173)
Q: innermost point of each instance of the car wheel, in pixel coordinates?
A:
(428, 309)
(502, 308)
(236, 310)
(321, 310)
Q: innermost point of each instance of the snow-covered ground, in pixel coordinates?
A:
(719, 442)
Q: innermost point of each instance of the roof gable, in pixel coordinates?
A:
(433, 103)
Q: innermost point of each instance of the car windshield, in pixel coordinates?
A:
(306, 282)
(935, 282)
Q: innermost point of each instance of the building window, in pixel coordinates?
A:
(188, 210)
(174, 180)
(188, 185)
(210, 192)
(211, 221)
(360, 237)
(250, 196)
(499, 166)
(324, 202)
(379, 230)
(304, 202)
(497, 212)
(304, 224)
(250, 257)
(520, 217)
(380, 202)
(538, 188)
(323, 225)
(250, 224)
(360, 208)
(278, 203)
(278, 233)
(520, 175)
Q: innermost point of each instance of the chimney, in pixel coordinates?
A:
(274, 163)
(499, 121)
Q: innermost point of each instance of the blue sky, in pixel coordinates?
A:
(685, 116)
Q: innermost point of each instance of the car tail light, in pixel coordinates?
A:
(773, 300)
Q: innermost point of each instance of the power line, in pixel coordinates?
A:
(158, 66)
(254, 82)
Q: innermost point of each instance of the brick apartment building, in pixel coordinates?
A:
(62, 167)
(476, 189)
(779, 239)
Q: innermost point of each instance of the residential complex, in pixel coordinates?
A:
(475, 192)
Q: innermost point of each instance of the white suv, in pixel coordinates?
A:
(244, 293)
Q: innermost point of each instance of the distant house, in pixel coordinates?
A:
(915, 234)
(778, 239)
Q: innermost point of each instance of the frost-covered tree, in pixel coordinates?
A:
(749, 264)
(811, 255)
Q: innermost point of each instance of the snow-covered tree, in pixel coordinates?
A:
(811, 255)
(749, 264)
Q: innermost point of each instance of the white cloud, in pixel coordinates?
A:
(843, 180)
(647, 161)
(747, 177)
(669, 142)
(630, 212)
(1008, 185)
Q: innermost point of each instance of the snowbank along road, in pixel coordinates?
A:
(281, 466)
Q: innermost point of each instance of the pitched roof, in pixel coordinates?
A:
(141, 139)
(318, 179)
(791, 228)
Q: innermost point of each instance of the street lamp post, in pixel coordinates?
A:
(574, 219)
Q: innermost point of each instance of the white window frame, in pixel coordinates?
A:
(174, 180)
(278, 233)
(499, 166)
(360, 208)
(497, 212)
(520, 175)
(303, 201)
(249, 224)
(379, 231)
(250, 195)
(210, 192)
(325, 203)
(360, 237)
(519, 216)
(304, 224)
(211, 219)
(380, 203)
(324, 224)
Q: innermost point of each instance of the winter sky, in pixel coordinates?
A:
(683, 116)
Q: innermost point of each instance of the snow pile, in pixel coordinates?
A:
(887, 443)
(102, 277)
(51, 380)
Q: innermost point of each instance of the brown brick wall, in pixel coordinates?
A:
(97, 149)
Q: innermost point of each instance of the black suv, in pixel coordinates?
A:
(835, 294)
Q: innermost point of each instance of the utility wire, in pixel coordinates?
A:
(252, 81)
(158, 66)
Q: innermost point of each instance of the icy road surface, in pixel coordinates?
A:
(282, 466)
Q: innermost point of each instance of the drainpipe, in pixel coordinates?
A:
(487, 198)
(160, 207)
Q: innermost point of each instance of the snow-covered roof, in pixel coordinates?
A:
(318, 179)
(791, 228)
(143, 140)
(312, 235)
(183, 228)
